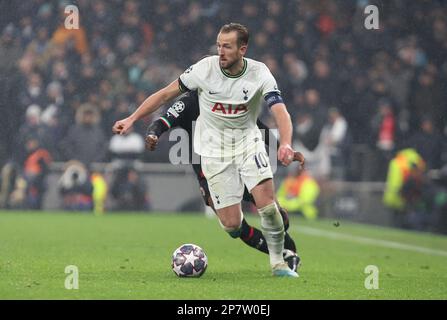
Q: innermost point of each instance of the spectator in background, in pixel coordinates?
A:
(32, 127)
(10, 49)
(129, 191)
(299, 192)
(40, 48)
(311, 119)
(35, 171)
(428, 99)
(88, 75)
(100, 190)
(428, 143)
(398, 78)
(294, 75)
(384, 132)
(75, 187)
(309, 142)
(400, 169)
(323, 81)
(335, 136)
(440, 203)
(316, 45)
(315, 107)
(127, 147)
(418, 193)
(10, 192)
(54, 98)
(34, 92)
(85, 140)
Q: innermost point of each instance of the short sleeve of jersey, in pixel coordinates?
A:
(190, 79)
(268, 81)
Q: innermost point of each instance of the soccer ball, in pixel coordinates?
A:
(189, 260)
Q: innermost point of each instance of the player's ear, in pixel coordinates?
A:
(243, 49)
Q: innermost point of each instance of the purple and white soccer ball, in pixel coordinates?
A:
(189, 260)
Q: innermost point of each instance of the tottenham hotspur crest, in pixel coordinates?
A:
(245, 91)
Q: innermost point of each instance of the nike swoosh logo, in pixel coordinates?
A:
(213, 92)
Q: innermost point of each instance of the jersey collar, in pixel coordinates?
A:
(236, 75)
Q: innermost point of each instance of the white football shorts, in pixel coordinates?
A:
(227, 177)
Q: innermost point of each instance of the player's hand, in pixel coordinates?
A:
(285, 154)
(122, 126)
(151, 142)
(298, 156)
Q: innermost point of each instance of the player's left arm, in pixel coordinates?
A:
(284, 123)
(272, 96)
(297, 156)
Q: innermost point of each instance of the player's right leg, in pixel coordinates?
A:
(250, 235)
(220, 178)
(273, 228)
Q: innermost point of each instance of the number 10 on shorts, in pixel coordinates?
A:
(261, 160)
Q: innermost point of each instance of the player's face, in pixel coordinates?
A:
(228, 50)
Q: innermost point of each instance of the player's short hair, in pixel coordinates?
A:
(241, 30)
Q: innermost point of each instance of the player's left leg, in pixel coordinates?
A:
(256, 173)
(290, 253)
(240, 228)
(255, 239)
(272, 227)
(250, 236)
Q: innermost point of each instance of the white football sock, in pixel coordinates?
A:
(273, 230)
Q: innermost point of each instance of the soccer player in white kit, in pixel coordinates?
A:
(230, 90)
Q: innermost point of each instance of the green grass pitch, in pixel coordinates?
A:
(128, 256)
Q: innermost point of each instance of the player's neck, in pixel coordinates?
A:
(236, 68)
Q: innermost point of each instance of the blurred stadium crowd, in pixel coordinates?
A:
(356, 96)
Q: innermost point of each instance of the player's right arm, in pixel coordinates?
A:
(188, 81)
(180, 114)
(151, 104)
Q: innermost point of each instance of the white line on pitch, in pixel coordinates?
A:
(363, 240)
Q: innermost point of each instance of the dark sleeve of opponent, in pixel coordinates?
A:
(181, 114)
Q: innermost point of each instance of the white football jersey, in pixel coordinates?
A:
(229, 105)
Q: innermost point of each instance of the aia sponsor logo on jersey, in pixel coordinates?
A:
(229, 108)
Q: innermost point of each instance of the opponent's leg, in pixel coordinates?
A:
(253, 237)
(289, 243)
